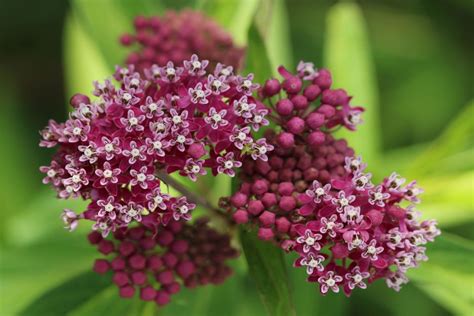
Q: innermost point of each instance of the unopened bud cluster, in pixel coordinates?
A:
(156, 264)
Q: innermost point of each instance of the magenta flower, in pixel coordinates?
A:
(330, 281)
(107, 175)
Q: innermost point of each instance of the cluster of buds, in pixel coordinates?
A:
(157, 263)
(355, 231)
(177, 119)
(312, 196)
(307, 110)
(176, 36)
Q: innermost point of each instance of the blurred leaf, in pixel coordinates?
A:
(27, 272)
(108, 302)
(347, 55)
(106, 20)
(234, 15)
(83, 61)
(307, 298)
(17, 170)
(457, 137)
(448, 199)
(449, 274)
(257, 61)
(273, 25)
(40, 219)
(69, 295)
(267, 268)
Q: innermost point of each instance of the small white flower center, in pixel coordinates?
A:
(51, 173)
(77, 131)
(109, 147)
(228, 164)
(109, 207)
(135, 152)
(180, 139)
(141, 177)
(108, 173)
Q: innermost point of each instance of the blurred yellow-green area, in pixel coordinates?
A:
(410, 63)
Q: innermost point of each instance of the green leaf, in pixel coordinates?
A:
(273, 26)
(268, 270)
(257, 61)
(106, 20)
(456, 138)
(348, 57)
(234, 15)
(449, 274)
(69, 295)
(83, 61)
(448, 198)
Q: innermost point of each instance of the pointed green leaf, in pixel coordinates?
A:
(272, 23)
(348, 57)
(449, 273)
(69, 295)
(456, 138)
(448, 198)
(106, 20)
(268, 270)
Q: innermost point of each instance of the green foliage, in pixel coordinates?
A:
(267, 267)
(449, 274)
(69, 295)
(347, 54)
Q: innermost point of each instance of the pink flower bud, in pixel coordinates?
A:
(282, 224)
(316, 138)
(239, 199)
(79, 99)
(154, 263)
(292, 85)
(260, 187)
(315, 120)
(300, 102)
(327, 110)
(196, 150)
(312, 92)
(147, 293)
(180, 246)
(165, 277)
(265, 233)
(106, 247)
(255, 207)
(138, 277)
(285, 188)
(162, 298)
(271, 88)
(127, 291)
(137, 261)
(269, 199)
(296, 125)
(286, 140)
(335, 97)
(185, 269)
(284, 107)
(101, 266)
(287, 203)
(240, 217)
(267, 218)
(323, 80)
(120, 278)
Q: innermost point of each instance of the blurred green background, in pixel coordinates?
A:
(409, 62)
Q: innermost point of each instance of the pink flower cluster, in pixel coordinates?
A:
(306, 109)
(175, 36)
(158, 263)
(357, 232)
(176, 119)
(312, 196)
